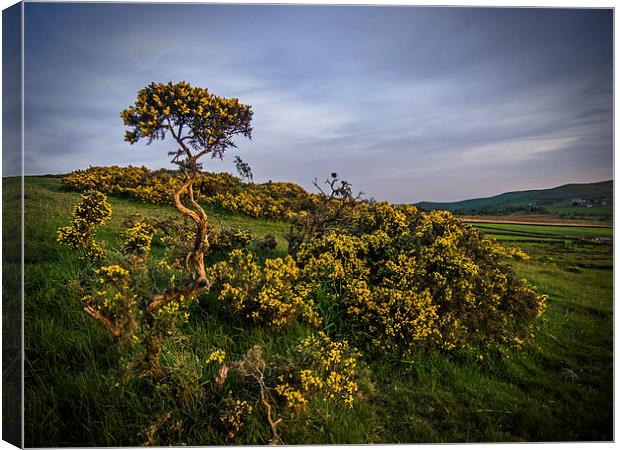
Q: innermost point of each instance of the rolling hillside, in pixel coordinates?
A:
(585, 201)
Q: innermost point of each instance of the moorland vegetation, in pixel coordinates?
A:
(361, 277)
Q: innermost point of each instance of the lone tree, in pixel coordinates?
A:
(201, 124)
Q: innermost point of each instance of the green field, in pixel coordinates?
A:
(551, 231)
(558, 387)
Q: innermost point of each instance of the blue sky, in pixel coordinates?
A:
(408, 103)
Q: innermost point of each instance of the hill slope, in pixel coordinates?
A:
(586, 200)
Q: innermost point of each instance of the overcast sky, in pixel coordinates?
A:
(408, 103)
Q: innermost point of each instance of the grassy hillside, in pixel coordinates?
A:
(588, 200)
(558, 387)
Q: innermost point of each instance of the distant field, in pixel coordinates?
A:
(544, 231)
(532, 219)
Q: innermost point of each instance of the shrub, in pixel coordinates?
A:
(317, 369)
(415, 280)
(92, 211)
(137, 236)
(267, 294)
(229, 238)
(324, 212)
(114, 303)
(324, 368)
(269, 200)
(126, 298)
(232, 415)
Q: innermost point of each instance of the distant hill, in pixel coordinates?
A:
(583, 200)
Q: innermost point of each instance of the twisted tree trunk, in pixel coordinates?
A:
(153, 341)
(199, 216)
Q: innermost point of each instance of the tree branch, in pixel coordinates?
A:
(115, 330)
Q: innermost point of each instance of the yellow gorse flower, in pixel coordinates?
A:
(217, 356)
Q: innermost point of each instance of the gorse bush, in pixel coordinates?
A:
(415, 280)
(92, 211)
(269, 242)
(137, 236)
(328, 211)
(383, 277)
(410, 280)
(114, 303)
(269, 200)
(177, 234)
(269, 293)
(324, 368)
(233, 415)
(127, 297)
(317, 369)
(229, 238)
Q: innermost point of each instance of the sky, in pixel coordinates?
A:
(407, 103)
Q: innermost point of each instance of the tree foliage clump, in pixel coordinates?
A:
(417, 280)
(197, 119)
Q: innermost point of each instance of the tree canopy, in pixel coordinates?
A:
(200, 122)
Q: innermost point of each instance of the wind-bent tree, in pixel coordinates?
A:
(201, 124)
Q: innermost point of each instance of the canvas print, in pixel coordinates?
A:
(231, 224)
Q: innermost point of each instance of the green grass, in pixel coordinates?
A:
(11, 313)
(558, 387)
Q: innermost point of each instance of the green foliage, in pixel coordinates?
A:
(113, 302)
(136, 237)
(269, 242)
(229, 238)
(243, 169)
(125, 298)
